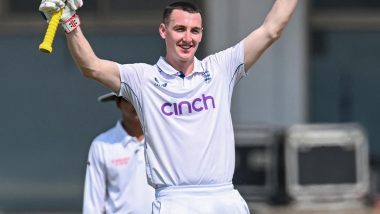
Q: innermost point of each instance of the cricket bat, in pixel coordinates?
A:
(47, 44)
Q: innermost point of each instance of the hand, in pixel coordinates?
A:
(48, 7)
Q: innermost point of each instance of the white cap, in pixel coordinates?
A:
(107, 97)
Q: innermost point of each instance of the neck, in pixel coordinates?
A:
(134, 130)
(185, 66)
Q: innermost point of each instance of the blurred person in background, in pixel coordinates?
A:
(115, 177)
(183, 103)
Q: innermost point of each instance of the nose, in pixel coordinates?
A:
(187, 36)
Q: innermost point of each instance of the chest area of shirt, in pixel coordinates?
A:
(177, 82)
(122, 158)
(179, 97)
(164, 85)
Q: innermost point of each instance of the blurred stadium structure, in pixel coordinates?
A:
(323, 70)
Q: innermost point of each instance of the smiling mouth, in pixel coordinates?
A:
(185, 46)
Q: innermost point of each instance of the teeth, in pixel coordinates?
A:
(185, 46)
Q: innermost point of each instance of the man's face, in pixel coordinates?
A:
(182, 34)
(128, 111)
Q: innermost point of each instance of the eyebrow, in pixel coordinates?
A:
(183, 26)
(197, 28)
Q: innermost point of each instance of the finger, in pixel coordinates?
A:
(74, 4)
(51, 5)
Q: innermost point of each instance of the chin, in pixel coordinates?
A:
(186, 57)
(186, 54)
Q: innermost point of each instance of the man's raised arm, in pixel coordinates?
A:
(262, 38)
(104, 71)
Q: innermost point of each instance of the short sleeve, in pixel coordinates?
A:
(230, 62)
(131, 76)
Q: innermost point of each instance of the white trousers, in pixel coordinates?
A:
(199, 199)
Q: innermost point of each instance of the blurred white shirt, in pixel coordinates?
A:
(115, 177)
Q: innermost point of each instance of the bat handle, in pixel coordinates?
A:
(47, 44)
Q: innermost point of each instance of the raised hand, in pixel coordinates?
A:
(48, 7)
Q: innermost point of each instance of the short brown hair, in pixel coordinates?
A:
(180, 5)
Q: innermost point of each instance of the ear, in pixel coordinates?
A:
(162, 30)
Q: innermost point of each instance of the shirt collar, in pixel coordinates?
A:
(168, 69)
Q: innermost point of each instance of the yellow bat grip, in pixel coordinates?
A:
(47, 44)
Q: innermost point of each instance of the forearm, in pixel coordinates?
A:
(104, 71)
(262, 38)
(279, 16)
(82, 53)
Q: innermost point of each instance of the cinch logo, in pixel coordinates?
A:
(197, 105)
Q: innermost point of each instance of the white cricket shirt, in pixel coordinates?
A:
(186, 121)
(115, 178)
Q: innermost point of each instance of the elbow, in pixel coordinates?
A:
(275, 33)
(89, 70)
(89, 73)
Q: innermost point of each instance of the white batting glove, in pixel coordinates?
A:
(48, 7)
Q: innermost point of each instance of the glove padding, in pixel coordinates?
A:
(48, 7)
